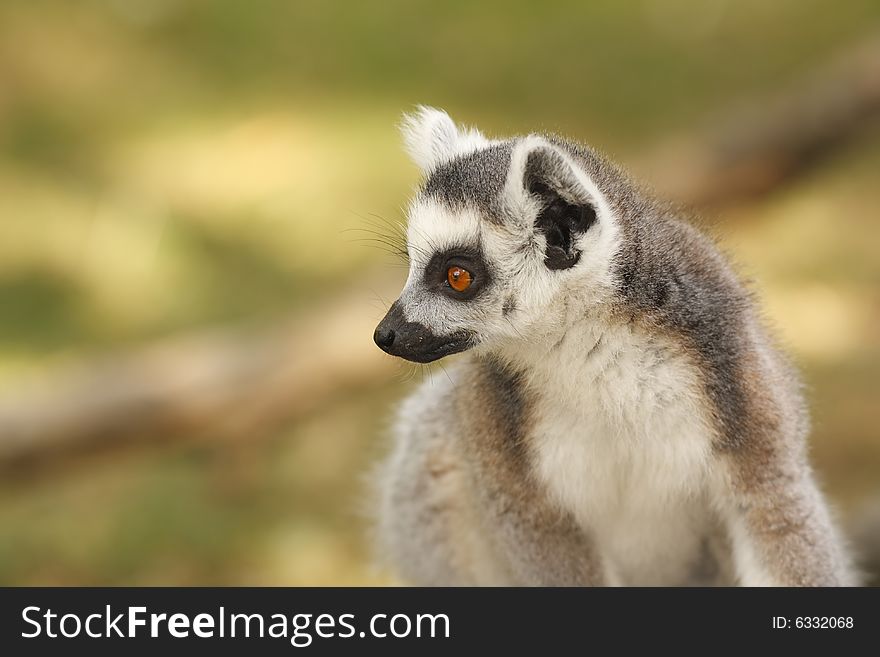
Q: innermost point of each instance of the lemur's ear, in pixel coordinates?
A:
(432, 138)
(546, 187)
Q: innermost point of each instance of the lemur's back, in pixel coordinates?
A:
(621, 416)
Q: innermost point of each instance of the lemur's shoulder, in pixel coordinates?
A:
(673, 277)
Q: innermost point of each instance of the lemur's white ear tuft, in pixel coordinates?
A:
(432, 138)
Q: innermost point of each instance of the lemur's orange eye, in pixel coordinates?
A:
(459, 279)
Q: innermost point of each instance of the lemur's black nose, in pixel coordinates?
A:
(384, 337)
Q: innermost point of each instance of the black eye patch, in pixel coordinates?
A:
(469, 258)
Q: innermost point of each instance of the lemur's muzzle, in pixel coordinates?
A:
(415, 342)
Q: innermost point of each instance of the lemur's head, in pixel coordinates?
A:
(498, 234)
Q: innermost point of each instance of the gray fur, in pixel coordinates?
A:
(474, 179)
(465, 495)
(446, 520)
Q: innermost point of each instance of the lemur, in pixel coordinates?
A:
(621, 416)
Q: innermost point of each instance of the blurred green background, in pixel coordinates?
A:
(169, 166)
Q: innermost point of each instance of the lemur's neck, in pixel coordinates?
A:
(567, 342)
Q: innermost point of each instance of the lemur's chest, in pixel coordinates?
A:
(623, 445)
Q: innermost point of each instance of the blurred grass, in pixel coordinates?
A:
(166, 166)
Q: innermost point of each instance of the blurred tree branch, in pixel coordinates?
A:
(216, 385)
(772, 141)
(240, 385)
